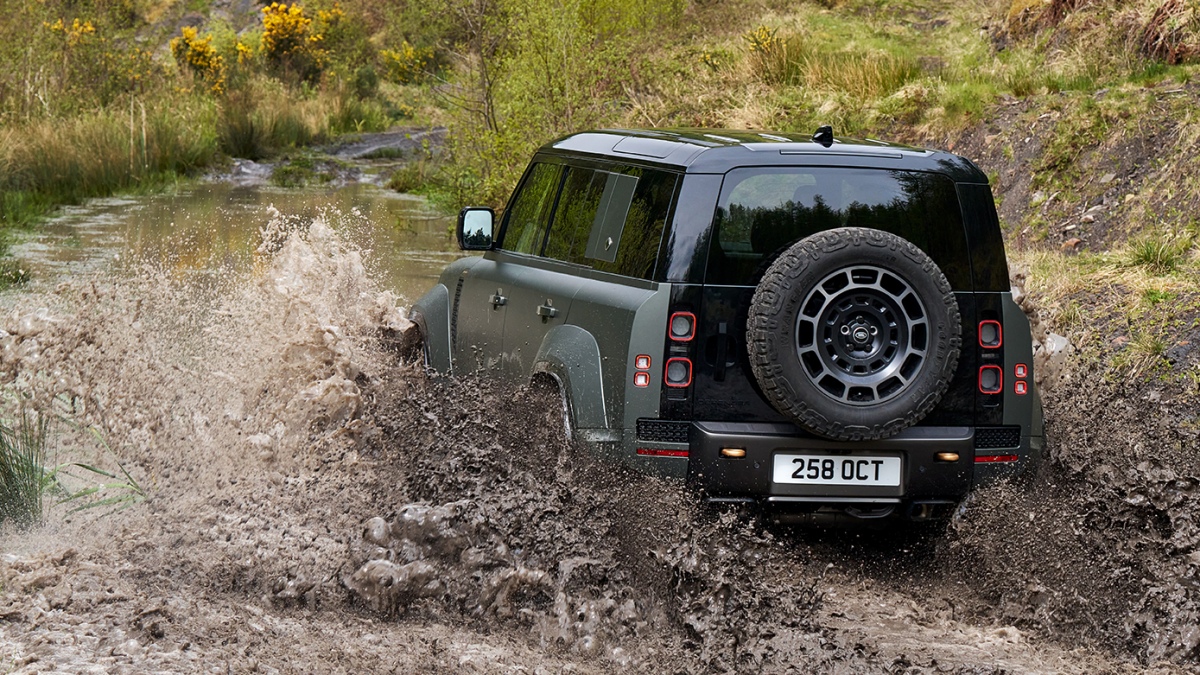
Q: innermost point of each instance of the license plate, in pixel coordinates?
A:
(836, 470)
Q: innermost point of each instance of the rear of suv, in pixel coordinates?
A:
(812, 323)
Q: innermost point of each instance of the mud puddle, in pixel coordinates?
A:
(315, 504)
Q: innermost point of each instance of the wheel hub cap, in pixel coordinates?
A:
(862, 334)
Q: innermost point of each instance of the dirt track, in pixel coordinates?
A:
(315, 506)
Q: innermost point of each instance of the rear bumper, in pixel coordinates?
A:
(924, 476)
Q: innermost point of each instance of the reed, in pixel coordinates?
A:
(23, 474)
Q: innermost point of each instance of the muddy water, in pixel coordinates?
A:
(211, 227)
(316, 504)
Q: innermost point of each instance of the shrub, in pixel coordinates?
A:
(406, 64)
(1160, 253)
(289, 44)
(198, 56)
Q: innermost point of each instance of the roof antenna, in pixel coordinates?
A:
(824, 136)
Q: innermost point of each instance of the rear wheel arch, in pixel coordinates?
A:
(570, 357)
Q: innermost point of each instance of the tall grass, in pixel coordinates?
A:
(798, 61)
(23, 475)
(264, 117)
(51, 161)
(1161, 253)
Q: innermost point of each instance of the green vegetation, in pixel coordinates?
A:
(506, 75)
(89, 106)
(23, 475)
(26, 475)
(119, 491)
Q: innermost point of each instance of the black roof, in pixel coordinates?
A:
(719, 150)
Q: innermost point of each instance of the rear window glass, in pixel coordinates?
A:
(761, 212)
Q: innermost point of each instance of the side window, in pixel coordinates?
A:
(644, 222)
(763, 211)
(530, 211)
(612, 220)
(576, 213)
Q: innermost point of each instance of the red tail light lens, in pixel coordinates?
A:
(991, 335)
(991, 380)
(678, 372)
(682, 326)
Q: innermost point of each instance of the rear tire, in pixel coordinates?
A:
(854, 333)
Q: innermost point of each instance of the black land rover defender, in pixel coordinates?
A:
(815, 323)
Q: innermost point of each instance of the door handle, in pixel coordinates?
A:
(546, 312)
(498, 300)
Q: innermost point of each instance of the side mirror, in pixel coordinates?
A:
(475, 228)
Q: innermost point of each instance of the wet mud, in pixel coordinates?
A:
(317, 503)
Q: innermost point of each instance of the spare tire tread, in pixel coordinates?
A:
(783, 288)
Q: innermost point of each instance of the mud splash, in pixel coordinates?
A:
(298, 471)
(317, 504)
(516, 526)
(1103, 550)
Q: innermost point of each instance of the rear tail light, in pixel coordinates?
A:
(991, 335)
(642, 362)
(641, 379)
(1021, 371)
(678, 372)
(682, 326)
(1020, 387)
(991, 380)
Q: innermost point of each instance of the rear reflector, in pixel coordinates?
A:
(991, 379)
(988, 459)
(991, 335)
(661, 452)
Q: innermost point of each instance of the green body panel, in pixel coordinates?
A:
(572, 356)
(479, 339)
(534, 289)
(601, 323)
(1018, 348)
(432, 314)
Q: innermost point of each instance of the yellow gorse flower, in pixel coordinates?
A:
(406, 64)
(285, 29)
(199, 55)
(762, 39)
(75, 33)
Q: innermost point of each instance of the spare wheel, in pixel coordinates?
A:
(854, 333)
